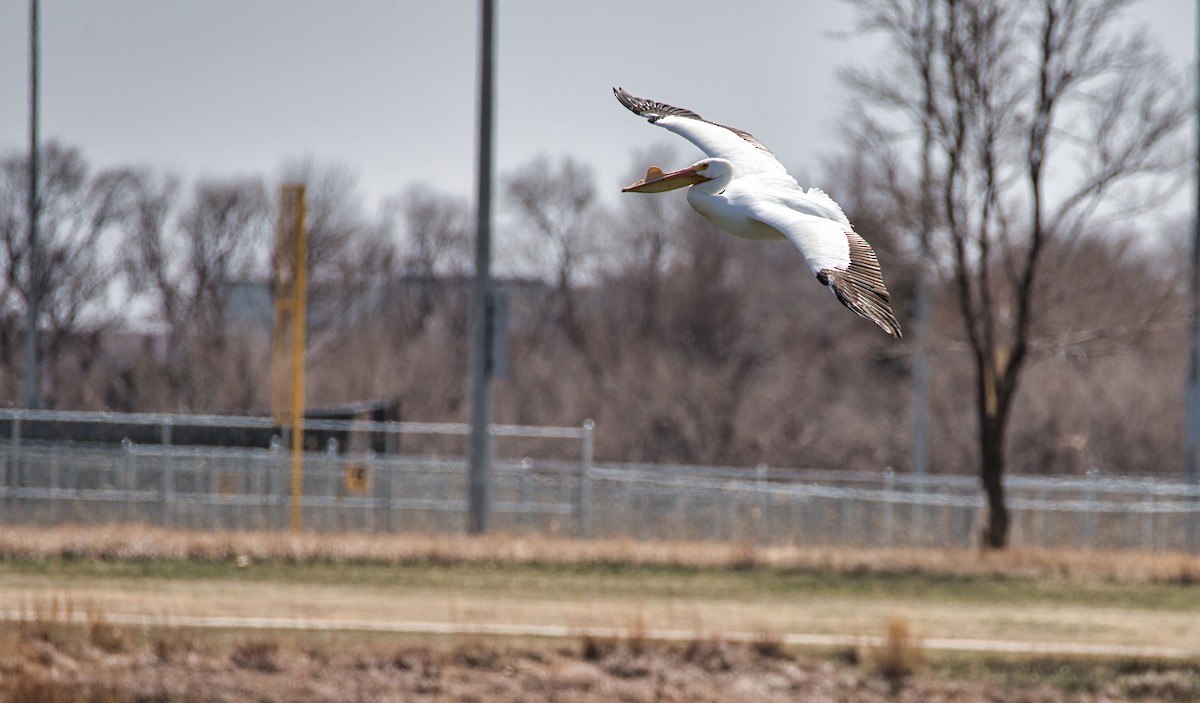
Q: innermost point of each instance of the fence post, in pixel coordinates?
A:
(336, 483)
(1037, 520)
(275, 478)
(387, 468)
(760, 488)
(724, 529)
(55, 478)
(585, 481)
(889, 522)
(1191, 537)
(125, 481)
(845, 518)
(12, 467)
(920, 510)
(168, 487)
(526, 482)
(1089, 515)
(1193, 521)
(1147, 522)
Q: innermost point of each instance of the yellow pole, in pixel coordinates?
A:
(299, 305)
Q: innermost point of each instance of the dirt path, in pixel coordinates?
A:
(485, 602)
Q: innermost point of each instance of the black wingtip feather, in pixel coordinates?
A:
(651, 109)
(860, 286)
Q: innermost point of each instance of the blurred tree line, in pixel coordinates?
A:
(1011, 186)
(683, 343)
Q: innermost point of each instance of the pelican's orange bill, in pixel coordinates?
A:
(658, 182)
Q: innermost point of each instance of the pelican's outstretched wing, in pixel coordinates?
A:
(839, 257)
(746, 153)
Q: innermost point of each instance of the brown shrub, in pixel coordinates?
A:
(256, 655)
(898, 656)
(104, 635)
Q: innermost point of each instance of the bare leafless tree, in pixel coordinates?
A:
(431, 235)
(150, 263)
(185, 258)
(226, 227)
(335, 213)
(434, 232)
(554, 205)
(646, 234)
(1046, 119)
(78, 212)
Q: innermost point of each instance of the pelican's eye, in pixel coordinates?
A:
(701, 167)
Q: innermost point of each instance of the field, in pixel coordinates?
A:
(146, 614)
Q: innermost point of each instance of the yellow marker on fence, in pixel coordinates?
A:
(357, 479)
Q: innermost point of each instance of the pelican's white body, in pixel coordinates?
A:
(763, 201)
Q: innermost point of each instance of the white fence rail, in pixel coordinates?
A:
(47, 478)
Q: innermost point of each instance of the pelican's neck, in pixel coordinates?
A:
(713, 186)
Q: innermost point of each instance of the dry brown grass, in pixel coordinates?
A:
(172, 647)
(103, 634)
(898, 655)
(134, 542)
(41, 687)
(256, 655)
(73, 667)
(768, 644)
(633, 638)
(44, 619)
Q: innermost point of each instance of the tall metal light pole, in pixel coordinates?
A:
(1192, 429)
(920, 442)
(479, 491)
(1191, 474)
(32, 292)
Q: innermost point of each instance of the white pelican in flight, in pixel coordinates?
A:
(745, 191)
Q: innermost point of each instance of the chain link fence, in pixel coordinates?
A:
(54, 468)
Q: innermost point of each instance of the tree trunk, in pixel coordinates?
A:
(994, 534)
(996, 386)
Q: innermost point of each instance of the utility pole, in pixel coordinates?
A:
(920, 436)
(1192, 429)
(479, 488)
(33, 292)
(920, 427)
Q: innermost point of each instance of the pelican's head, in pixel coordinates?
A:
(658, 182)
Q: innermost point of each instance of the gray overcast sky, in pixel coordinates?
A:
(387, 89)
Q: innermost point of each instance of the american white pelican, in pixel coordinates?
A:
(745, 191)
